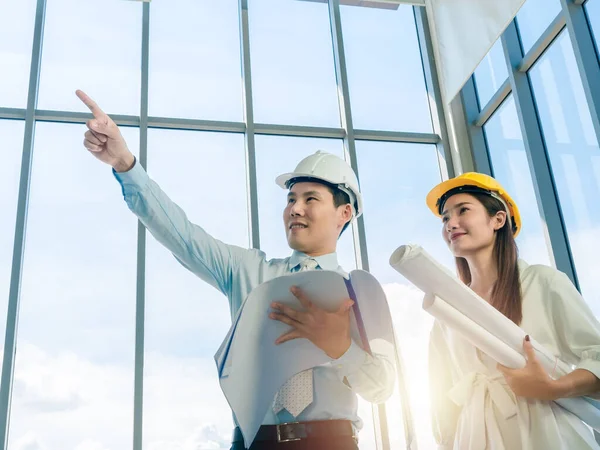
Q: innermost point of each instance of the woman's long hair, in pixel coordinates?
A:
(506, 293)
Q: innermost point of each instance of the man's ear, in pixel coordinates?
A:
(347, 212)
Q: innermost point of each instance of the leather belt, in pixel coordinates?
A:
(295, 431)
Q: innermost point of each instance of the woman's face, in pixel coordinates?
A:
(467, 226)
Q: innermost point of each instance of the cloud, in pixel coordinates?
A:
(183, 405)
(28, 441)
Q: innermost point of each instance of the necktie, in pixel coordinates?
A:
(297, 392)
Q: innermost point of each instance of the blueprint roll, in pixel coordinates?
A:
(585, 408)
(476, 335)
(449, 300)
(421, 269)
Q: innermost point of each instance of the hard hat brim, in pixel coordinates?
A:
(282, 180)
(441, 189)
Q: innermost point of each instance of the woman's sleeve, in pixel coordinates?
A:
(444, 412)
(577, 329)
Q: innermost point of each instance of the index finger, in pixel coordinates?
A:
(91, 104)
(301, 296)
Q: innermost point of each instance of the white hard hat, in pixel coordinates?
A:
(331, 169)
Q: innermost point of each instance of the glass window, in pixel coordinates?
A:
(74, 367)
(574, 154)
(195, 60)
(12, 148)
(186, 318)
(592, 10)
(276, 155)
(396, 214)
(511, 169)
(293, 73)
(96, 47)
(490, 74)
(17, 20)
(385, 72)
(533, 19)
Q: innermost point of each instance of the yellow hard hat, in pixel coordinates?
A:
(473, 182)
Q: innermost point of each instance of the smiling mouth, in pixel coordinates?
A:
(456, 236)
(296, 226)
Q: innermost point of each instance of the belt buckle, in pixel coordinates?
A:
(289, 432)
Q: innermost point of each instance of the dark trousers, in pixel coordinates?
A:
(334, 443)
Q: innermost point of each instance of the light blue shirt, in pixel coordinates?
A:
(236, 271)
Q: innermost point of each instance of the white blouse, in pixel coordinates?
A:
(472, 406)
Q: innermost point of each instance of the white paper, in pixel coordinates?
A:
(587, 409)
(463, 32)
(431, 277)
(252, 368)
(473, 332)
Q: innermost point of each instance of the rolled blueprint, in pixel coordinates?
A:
(584, 408)
(416, 265)
(473, 332)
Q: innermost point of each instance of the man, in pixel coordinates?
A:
(316, 409)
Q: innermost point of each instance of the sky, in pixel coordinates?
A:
(73, 385)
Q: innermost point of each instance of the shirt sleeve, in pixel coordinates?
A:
(210, 259)
(577, 329)
(371, 376)
(444, 412)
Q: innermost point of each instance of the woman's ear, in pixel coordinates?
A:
(499, 220)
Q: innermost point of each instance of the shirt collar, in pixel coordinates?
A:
(326, 262)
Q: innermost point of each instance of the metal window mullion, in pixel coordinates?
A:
(479, 149)
(12, 314)
(436, 104)
(542, 44)
(140, 302)
(220, 126)
(358, 228)
(538, 158)
(492, 106)
(251, 175)
(584, 49)
(12, 113)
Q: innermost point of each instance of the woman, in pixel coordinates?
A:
(478, 404)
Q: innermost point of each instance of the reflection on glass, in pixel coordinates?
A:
(385, 72)
(12, 146)
(293, 72)
(16, 38)
(195, 60)
(395, 180)
(186, 318)
(533, 19)
(73, 380)
(511, 169)
(575, 156)
(592, 11)
(490, 74)
(94, 46)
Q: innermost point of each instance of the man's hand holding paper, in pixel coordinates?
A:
(328, 330)
(325, 327)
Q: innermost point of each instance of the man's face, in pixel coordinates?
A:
(312, 221)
